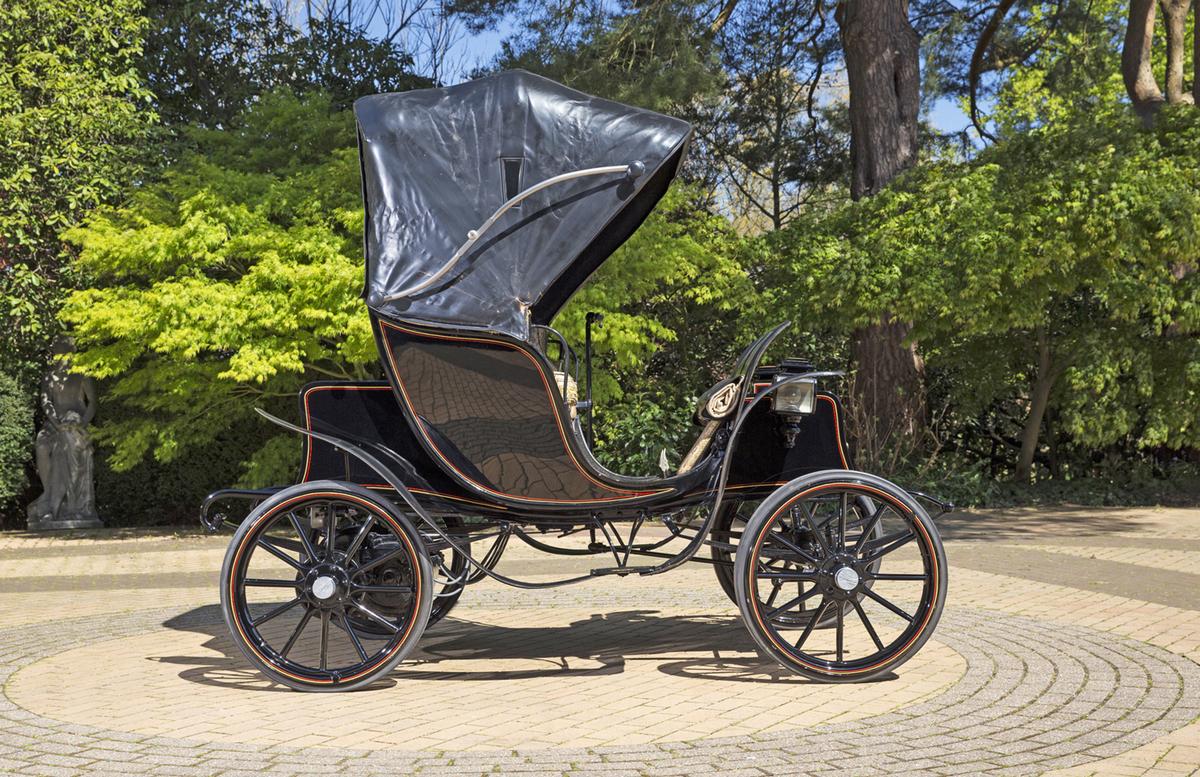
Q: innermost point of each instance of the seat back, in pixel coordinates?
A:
(485, 406)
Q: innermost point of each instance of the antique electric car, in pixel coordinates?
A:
(487, 206)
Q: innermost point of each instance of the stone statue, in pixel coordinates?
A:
(64, 449)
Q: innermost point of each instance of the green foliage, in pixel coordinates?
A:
(650, 54)
(681, 260)
(346, 63)
(154, 493)
(206, 61)
(72, 108)
(1078, 236)
(676, 303)
(1118, 478)
(227, 284)
(632, 432)
(1073, 73)
(16, 437)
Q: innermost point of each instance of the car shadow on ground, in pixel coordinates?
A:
(458, 650)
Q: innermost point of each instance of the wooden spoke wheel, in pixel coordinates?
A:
(298, 583)
(882, 578)
(731, 525)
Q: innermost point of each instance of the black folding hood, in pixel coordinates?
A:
(438, 164)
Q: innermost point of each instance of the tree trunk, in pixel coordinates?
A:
(1196, 57)
(1175, 14)
(882, 53)
(883, 65)
(1135, 60)
(1039, 398)
(889, 385)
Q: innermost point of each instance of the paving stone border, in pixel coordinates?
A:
(1036, 696)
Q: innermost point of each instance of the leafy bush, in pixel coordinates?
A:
(227, 284)
(1055, 271)
(16, 437)
(631, 434)
(73, 115)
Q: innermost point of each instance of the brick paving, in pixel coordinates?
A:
(113, 661)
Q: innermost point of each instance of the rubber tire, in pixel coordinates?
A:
(766, 512)
(250, 524)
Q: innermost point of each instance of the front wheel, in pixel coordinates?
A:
(300, 580)
(882, 579)
(730, 527)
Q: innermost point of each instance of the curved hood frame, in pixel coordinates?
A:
(438, 164)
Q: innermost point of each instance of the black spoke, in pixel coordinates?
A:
(868, 527)
(788, 575)
(776, 587)
(384, 589)
(385, 558)
(382, 621)
(324, 639)
(257, 581)
(799, 551)
(330, 531)
(896, 576)
(357, 542)
(792, 603)
(309, 550)
(283, 543)
(362, 652)
(296, 634)
(812, 526)
(887, 604)
(862, 615)
(279, 554)
(886, 549)
(841, 617)
(280, 610)
(841, 538)
(813, 622)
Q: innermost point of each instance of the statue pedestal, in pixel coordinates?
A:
(62, 522)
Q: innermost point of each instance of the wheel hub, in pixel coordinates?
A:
(840, 576)
(846, 579)
(327, 585)
(324, 587)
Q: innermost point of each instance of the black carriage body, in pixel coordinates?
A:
(482, 423)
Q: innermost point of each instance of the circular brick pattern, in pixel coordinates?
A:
(1034, 696)
(562, 677)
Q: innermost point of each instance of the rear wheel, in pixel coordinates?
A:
(450, 572)
(883, 583)
(449, 566)
(301, 579)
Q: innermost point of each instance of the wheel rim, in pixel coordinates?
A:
(879, 580)
(301, 581)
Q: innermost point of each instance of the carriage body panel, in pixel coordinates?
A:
(485, 428)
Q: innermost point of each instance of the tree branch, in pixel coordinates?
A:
(981, 47)
(1135, 60)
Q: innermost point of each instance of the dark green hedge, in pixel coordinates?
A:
(16, 439)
